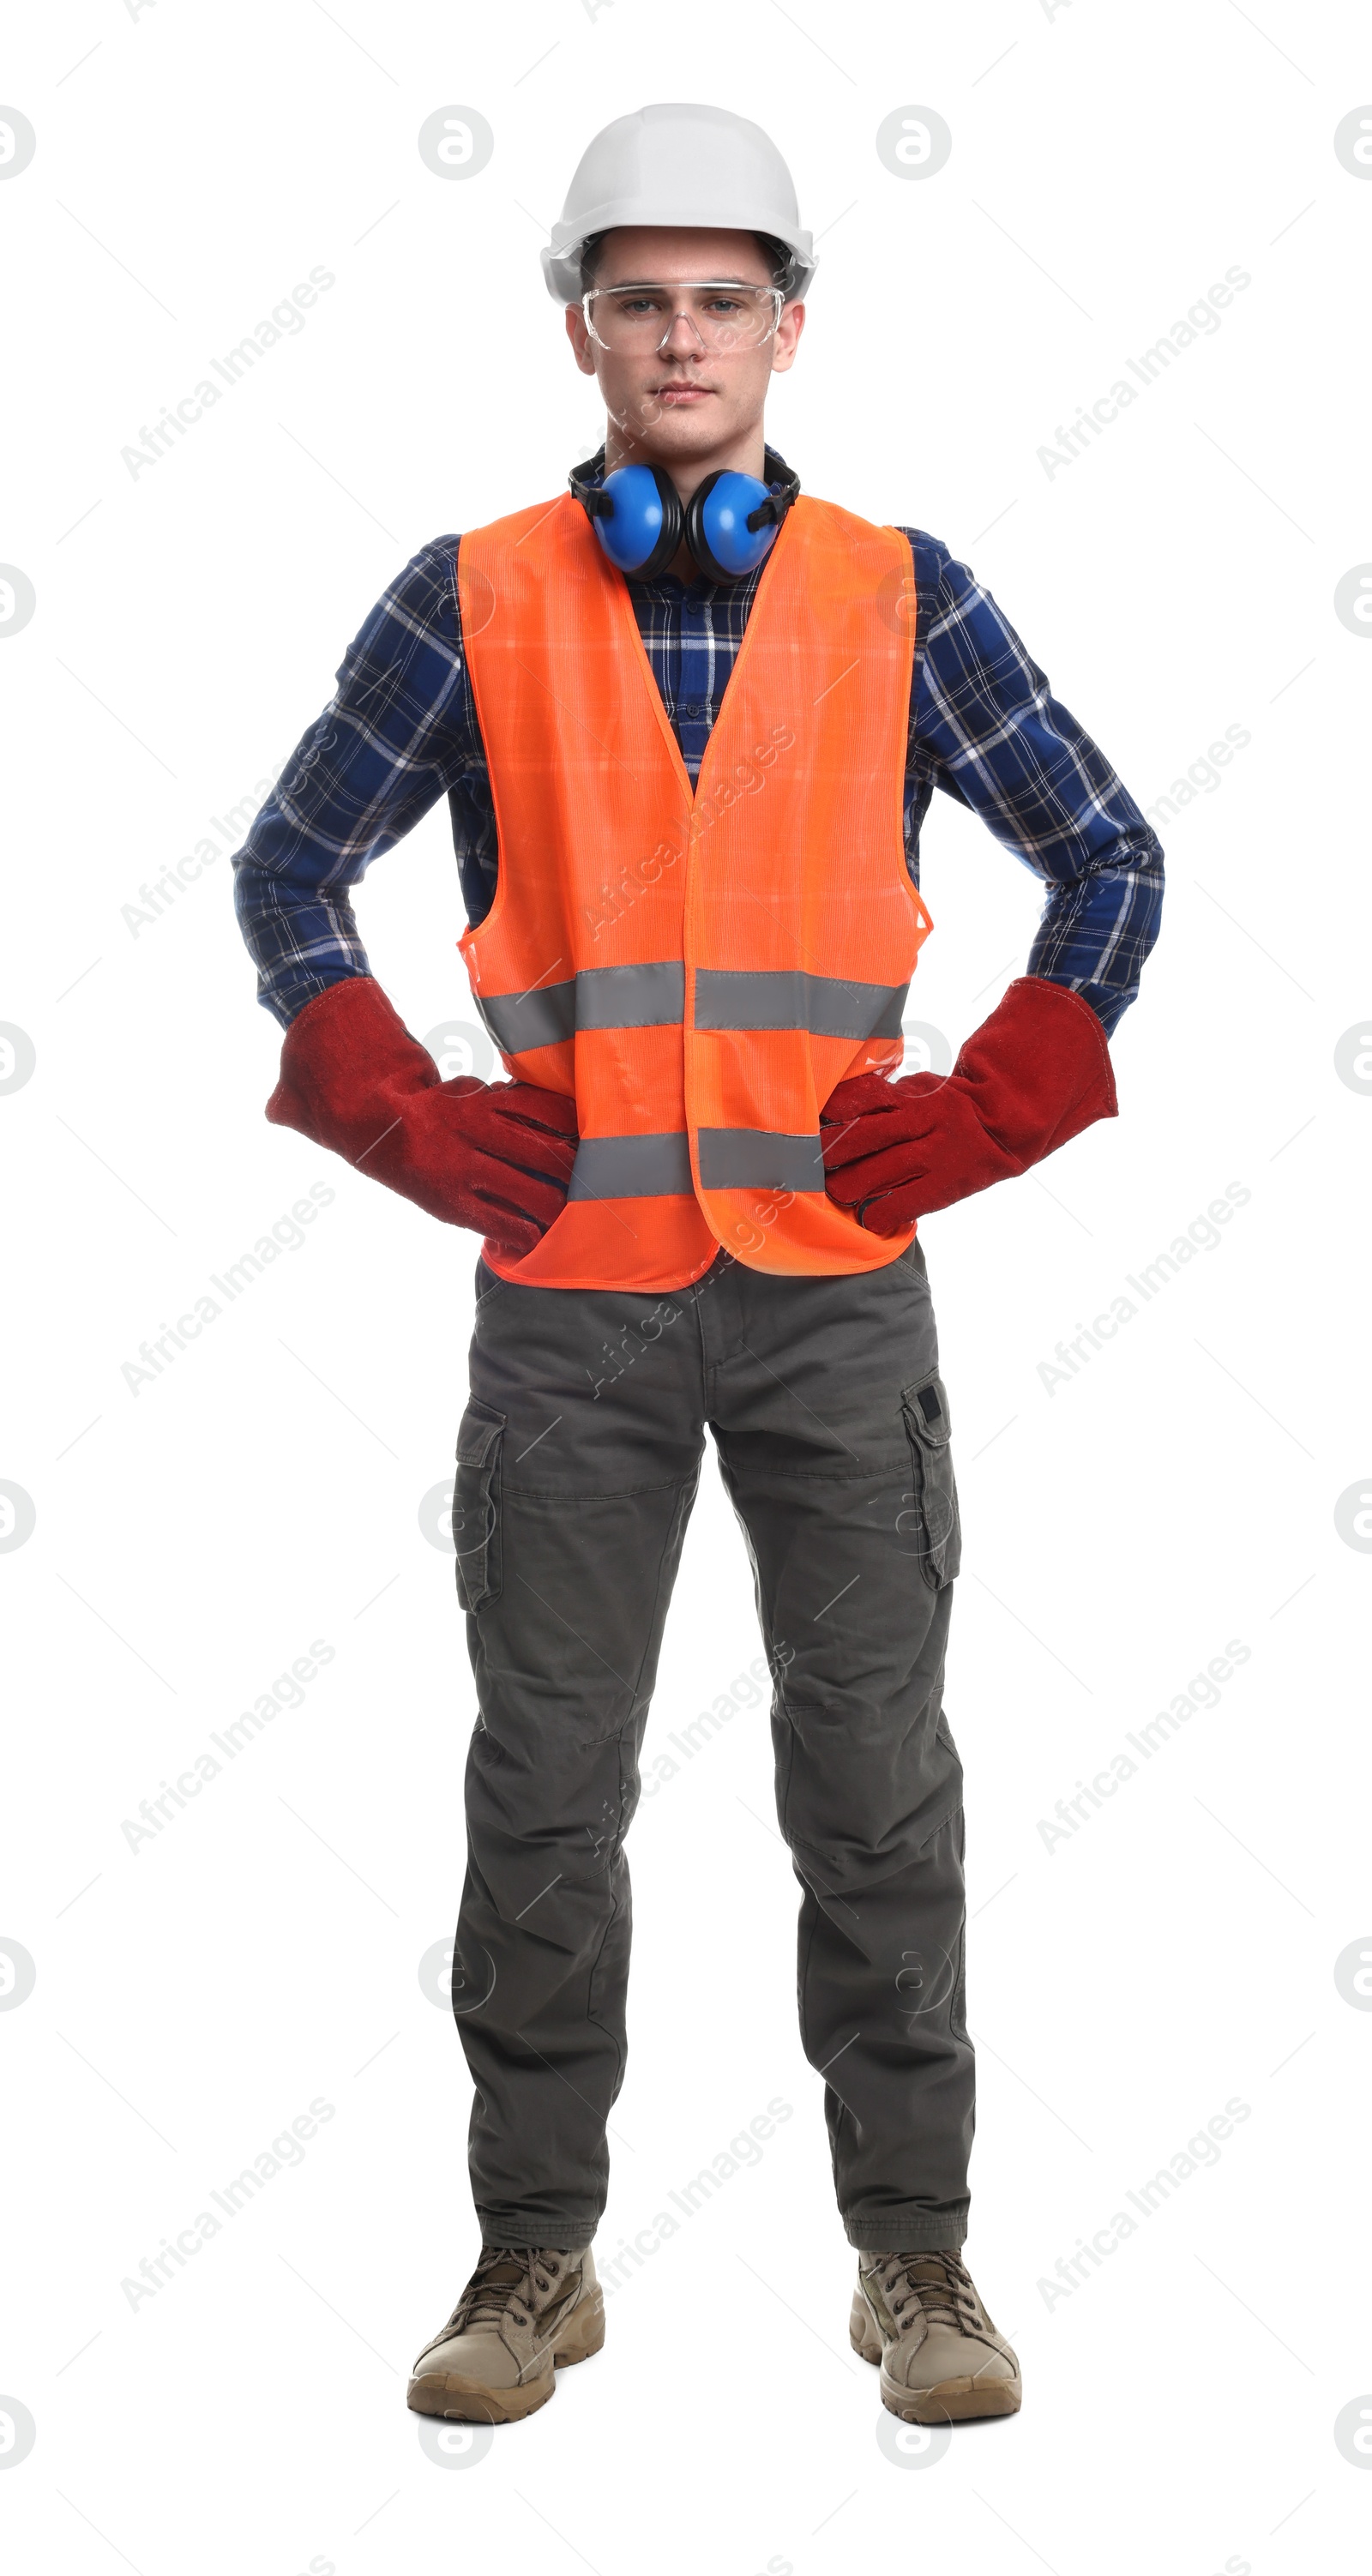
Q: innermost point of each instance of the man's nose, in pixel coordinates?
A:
(681, 335)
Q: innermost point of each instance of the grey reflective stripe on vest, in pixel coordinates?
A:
(748, 1158)
(600, 997)
(829, 1006)
(541, 1017)
(731, 1158)
(631, 997)
(653, 997)
(632, 1167)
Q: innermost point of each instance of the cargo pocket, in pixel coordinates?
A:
(476, 1504)
(930, 1524)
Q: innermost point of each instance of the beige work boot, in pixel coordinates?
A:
(524, 2313)
(941, 2358)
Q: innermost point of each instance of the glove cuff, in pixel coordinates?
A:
(1039, 1068)
(346, 1043)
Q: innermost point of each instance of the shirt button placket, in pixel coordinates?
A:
(694, 710)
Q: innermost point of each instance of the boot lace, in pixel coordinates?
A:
(509, 2280)
(936, 2284)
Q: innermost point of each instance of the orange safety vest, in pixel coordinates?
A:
(696, 972)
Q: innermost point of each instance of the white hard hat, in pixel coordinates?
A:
(697, 166)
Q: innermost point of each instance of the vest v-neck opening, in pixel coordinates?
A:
(649, 675)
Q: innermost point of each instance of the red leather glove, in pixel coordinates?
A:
(1030, 1077)
(493, 1156)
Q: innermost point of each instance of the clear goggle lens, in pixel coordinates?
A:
(635, 320)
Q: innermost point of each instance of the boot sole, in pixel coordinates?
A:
(950, 2401)
(470, 2401)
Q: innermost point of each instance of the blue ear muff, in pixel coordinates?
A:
(638, 519)
(729, 526)
(718, 525)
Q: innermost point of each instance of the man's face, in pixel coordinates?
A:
(682, 400)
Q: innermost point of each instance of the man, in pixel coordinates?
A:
(689, 724)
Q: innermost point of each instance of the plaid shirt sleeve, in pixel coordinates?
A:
(399, 732)
(986, 728)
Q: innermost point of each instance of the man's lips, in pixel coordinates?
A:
(681, 394)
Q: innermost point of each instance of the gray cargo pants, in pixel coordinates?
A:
(577, 1465)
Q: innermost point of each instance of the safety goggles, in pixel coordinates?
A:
(634, 320)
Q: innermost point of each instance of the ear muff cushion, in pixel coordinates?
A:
(717, 530)
(643, 530)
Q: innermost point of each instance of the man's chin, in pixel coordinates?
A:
(687, 429)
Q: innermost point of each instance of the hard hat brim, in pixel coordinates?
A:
(562, 258)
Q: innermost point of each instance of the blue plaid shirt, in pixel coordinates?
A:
(401, 731)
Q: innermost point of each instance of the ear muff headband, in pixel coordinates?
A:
(729, 525)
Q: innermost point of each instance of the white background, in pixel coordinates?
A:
(1108, 163)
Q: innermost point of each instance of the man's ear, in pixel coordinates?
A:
(788, 333)
(582, 348)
